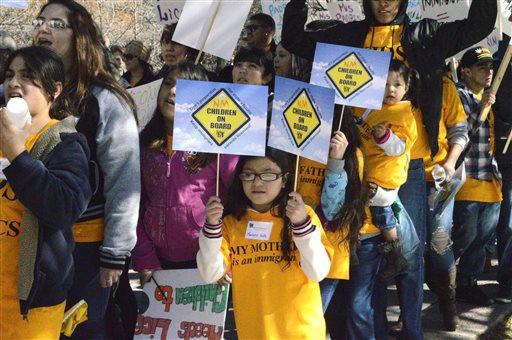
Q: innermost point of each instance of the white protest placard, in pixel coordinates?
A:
(345, 11)
(214, 24)
(319, 14)
(181, 306)
(302, 116)
(275, 8)
(14, 3)
(414, 10)
(168, 11)
(445, 11)
(145, 98)
(506, 11)
(220, 118)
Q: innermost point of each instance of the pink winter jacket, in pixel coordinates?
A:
(172, 209)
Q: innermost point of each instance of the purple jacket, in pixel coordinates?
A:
(172, 210)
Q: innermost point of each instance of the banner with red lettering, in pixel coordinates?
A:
(179, 305)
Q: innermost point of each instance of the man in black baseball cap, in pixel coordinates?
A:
(477, 204)
(476, 68)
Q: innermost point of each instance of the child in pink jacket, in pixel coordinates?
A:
(175, 187)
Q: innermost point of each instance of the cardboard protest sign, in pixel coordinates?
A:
(220, 118)
(181, 306)
(345, 11)
(214, 24)
(357, 75)
(14, 3)
(145, 98)
(275, 8)
(302, 117)
(168, 11)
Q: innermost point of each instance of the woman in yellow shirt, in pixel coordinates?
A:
(44, 187)
(275, 247)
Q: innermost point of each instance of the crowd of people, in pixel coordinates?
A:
(85, 195)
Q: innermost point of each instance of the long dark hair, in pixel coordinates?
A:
(238, 203)
(411, 78)
(154, 135)
(352, 214)
(89, 64)
(45, 69)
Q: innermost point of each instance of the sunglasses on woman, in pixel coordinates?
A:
(57, 24)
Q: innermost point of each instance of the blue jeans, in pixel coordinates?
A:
(439, 237)
(383, 217)
(410, 286)
(86, 285)
(474, 225)
(504, 231)
(361, 311)
(327, 289)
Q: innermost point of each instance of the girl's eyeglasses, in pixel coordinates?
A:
(265, 176)
(57, 24)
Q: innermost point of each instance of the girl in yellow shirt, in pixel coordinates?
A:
(387, 137)
(275, 247)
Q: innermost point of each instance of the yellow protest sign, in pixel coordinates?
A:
(349, 75)
(221, 117)
(301, 118)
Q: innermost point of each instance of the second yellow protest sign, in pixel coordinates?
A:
(301, 118)
(349, 75)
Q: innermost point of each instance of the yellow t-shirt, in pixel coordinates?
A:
(309, 185)
(310, 179)
(452, 113)
(271, 302)
(482, 191)
(387, 39)
(389, 172)
(44, 322)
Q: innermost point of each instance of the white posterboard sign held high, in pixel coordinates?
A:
(212, 26)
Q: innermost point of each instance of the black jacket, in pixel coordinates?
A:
(503, 108)
(427, 44)
(56, 192)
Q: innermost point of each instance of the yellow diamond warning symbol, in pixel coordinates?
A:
(349, 75)
(221, 117)
(301, 118)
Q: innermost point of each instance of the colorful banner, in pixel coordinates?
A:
(220, 118)
(168, 11)
(225, 18)
(357, 75)
(146, 101)
(181, 306)
(302, 117)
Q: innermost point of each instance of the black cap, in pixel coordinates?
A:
(475, 56)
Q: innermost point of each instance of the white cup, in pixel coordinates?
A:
(17, 111)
